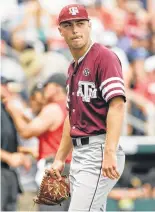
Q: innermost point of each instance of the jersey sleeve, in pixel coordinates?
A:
(111, 83)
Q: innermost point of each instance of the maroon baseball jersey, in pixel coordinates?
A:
(90, 86)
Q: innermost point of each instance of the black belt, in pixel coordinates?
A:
(80, 141)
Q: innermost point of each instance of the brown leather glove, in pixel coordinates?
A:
(52, 191)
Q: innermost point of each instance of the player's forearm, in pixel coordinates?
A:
(114, 124)
(66, 142)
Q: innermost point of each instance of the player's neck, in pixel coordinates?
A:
(78, 53)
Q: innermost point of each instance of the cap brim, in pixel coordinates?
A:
(72, 19)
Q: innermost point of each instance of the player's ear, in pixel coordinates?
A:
(60, 31)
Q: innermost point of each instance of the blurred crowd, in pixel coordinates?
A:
(32, 51)
(32, 48)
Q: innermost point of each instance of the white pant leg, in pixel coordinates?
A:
(88, 186)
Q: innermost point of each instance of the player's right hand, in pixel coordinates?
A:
(56, 168)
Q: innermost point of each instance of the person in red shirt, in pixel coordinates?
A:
(48, 124)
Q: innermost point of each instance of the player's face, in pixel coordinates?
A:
(76, 33)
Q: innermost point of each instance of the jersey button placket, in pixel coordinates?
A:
(74, 99)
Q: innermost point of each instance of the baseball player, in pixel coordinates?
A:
(96, 99)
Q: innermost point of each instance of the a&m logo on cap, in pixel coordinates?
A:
(73, 10)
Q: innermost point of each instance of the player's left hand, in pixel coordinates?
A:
(109, 165)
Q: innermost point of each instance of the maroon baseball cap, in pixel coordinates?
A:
(73, 12)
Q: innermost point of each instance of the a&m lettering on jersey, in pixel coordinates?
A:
(86, 90)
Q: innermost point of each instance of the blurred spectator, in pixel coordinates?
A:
(152, 44)
(146, 87)
(5, 36)
(96, 18)
(137, 19)
(118, 26)
(7, 9)
(137, 55)
(29, 146)
(39, 66)
(26, 146)
(34, 25)
(10, 157)
(54, 9)
(10, 68)
(19, 44)
(48, 128)
(54, 62)
(36, 99)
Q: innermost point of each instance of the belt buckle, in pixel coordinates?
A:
(78, 142)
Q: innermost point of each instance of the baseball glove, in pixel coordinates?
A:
(52, 191)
